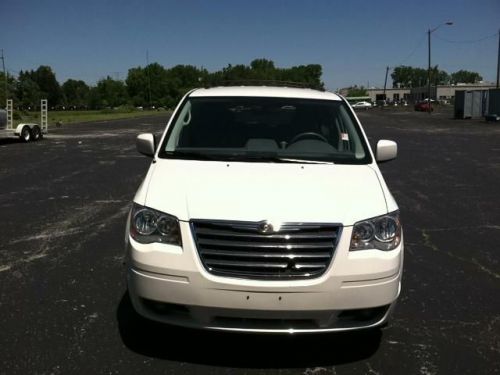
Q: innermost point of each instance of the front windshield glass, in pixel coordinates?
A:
(265, 129)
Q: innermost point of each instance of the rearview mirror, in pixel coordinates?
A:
(386, 150)
(145, 144)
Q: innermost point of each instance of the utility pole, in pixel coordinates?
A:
(429, 105)
(5, 78)
(498, 59)
(385, 82)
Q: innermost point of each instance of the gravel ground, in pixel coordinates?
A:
(63, 305)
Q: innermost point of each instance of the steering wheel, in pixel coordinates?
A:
(308, 135)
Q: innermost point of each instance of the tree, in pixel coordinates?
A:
(408, 76)
(137, 86)
(43, 85)
(27, 91)
(263, 69)
(238, 72)
(464, 76)
(94, 100)
(75, 93)
(182, 78)
(439, 77)
(166, 86)
(355, 91)
(108, 93)
(309, 75)
(47, 82)
(11, 89)
(151, 85)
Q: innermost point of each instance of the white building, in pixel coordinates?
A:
(415, 94)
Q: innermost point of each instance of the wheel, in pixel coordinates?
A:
(308, 135)
(36, 133)
(25, 134)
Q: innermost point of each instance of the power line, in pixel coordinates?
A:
(401, 62)
(466, 41)
(419, 44)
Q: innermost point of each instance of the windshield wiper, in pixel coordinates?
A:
(273, 158)
(304, 161)
(237, 157)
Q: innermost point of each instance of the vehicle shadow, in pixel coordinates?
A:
(239, 350)
(10, 140)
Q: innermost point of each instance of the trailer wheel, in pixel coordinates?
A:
(25, 134)
(36, 134)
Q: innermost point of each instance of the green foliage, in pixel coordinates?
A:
(49, 87)
(356, 91)
(109, 93)
(34, 85)
(153, 85)
(408, 76)
(464, 76)
(76, 94)
(27, 91)
(168, 85)
(11, 89)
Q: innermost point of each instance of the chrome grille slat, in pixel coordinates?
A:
(257, 236)
(285, 246)
(282, 265)
(309, 266)
(258, 254)
(239, 249)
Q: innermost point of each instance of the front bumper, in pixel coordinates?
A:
(169, 284)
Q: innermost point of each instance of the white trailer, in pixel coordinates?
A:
(25, 131)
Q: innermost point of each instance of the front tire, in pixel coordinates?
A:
(25, 135)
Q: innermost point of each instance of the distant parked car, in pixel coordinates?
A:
(423, 107)
(364, 105)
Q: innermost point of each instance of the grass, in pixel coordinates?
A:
(68, 117)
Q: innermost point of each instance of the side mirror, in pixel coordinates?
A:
(386, 150)
(145, 144)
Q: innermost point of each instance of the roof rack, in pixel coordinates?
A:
(265, 82)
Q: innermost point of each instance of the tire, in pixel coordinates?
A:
(36, 133)
(25, 134)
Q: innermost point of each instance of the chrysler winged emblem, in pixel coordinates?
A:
(265, 227)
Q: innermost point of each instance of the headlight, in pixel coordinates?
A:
(148, 226)
(382, 233)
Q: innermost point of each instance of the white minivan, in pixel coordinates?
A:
(264, 210)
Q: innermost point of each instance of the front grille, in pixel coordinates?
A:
(240, 249)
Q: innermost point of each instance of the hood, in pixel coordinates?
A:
(265, 191)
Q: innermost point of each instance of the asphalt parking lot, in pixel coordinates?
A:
(63, 306)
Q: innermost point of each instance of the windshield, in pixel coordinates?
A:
(265, 129)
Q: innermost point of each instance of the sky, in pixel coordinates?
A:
(354, 41)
